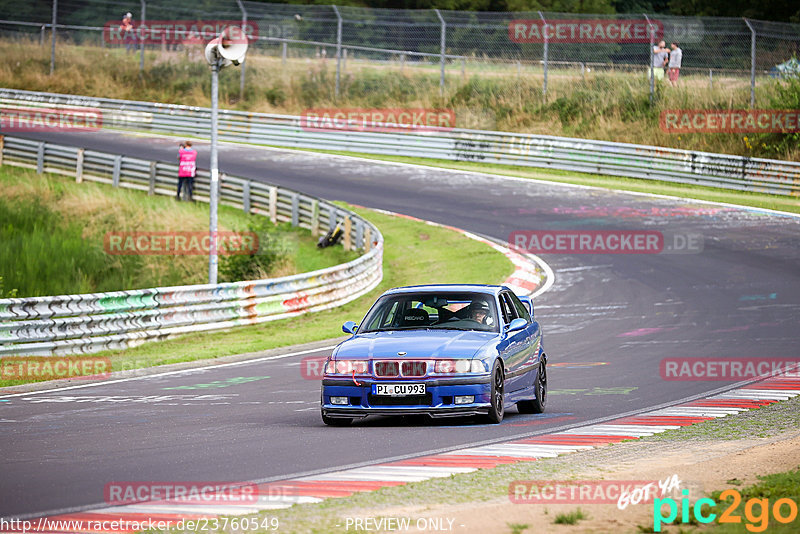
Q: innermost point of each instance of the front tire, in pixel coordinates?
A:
(538, 404)
(497, 410)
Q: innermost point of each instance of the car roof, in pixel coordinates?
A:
(433, 288)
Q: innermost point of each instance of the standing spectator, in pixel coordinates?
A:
(128, 33)
(660, 55)
(187, 168)
(675, 58)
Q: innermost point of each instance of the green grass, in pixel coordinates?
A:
(570, 518)
(414, 253)
(755, 200)
(52, 233)
(753, 518)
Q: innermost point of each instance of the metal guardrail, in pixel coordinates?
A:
(527, 150)
(72, 324)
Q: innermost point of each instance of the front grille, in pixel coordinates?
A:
(396, 368)
(387, 369)
(414, 368)
(410, 400)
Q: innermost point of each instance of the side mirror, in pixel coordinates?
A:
(517, 324)
(350, 327)
(528, 304)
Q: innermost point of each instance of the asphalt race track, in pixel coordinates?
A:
(608, 321)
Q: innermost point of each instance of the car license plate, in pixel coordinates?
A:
(398, 390)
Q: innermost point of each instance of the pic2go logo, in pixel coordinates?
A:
(756, 511)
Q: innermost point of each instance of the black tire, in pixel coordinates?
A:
(497, 409)
(538, 404)
(336, 421)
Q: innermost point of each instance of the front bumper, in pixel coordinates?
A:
(439, 400)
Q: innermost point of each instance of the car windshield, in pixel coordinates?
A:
(445, 311)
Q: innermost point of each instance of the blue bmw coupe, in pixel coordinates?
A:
(440, 350)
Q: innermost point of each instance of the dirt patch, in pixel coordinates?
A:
(701, 465)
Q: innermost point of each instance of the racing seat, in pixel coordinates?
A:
(415, 317)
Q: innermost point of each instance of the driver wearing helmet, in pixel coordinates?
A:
(479, 311)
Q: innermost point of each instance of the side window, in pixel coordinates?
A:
(522, 311)
(509, 312)
(391, 313)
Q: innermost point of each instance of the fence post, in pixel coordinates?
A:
(332, 216)
(710, 79)
(40, 158)
(338, 49)
(545, 54)
(359, 234)
(348, 227)
(442, 45)
(141, 41)
(246, 196)
(244, 31)
(283, 53)
(151, 186)
(79, 167)
(273, 205)
(53, 44)
(295, 209)
(652, 72)
(367, 239)
(315, 217)
(41, 35)
(116, 171)
(752, 63)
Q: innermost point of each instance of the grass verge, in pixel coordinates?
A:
(53, 238)
(414, 253)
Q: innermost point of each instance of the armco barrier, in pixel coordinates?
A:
(73, 324)
(601, 157)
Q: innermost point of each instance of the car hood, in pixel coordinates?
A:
(416, 344)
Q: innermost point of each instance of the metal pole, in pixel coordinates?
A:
(214, 186)
(544, 54)
(283, 53)
(141, 40)
(338, 49)
(244, 31)
(53, 44)
(752, 63)
(710, 79)
(652, 73)
(442, 45)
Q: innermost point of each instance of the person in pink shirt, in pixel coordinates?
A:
(187, 168)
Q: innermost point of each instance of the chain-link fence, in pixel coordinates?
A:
(444, 49)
